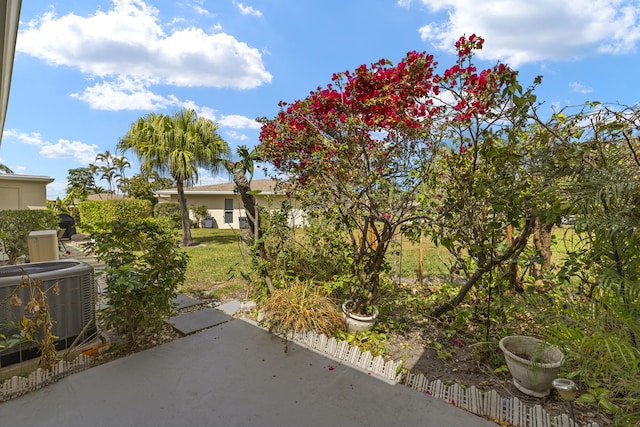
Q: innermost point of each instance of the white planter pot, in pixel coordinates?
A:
(532, 363)
(358, 323)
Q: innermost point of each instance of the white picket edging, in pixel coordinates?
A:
(491, 404)
(17, 386)
(487, 404)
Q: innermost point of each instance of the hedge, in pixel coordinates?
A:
(15, 226)
(99, 213)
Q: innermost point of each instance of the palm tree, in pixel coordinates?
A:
(177, 146)
(120, 163)
(5, 169)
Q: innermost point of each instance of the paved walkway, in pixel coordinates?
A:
(230, 374)
(233, 374)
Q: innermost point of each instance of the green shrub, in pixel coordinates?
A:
(200, 213)
(144, 267)
(170, 211)
(15, 226)
(99, 213)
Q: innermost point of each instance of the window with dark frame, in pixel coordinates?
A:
(228, 211)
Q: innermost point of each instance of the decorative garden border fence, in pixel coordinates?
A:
(17, 385)
(486, 404)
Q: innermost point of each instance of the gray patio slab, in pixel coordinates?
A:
(194, 321)
(233, 374)
(230, 307)
(185, 301)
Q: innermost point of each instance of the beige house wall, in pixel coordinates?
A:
(215, 204)
(23, 191)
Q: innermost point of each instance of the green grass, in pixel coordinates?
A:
(404, 258)
(214, 266)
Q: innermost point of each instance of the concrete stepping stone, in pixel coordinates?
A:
(185, 301)
(189, 323)
(230, 307)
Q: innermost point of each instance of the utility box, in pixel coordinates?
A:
(43, 245)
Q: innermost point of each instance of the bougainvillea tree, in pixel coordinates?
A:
(488, 187)
(362, 149)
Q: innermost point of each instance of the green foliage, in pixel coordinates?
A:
(143, 186)
(301, 307)
(170, 211)
(15, 226)
(81, 183)
(9, 335)
(144, 268)
(372, 341)
(97, 214)
(61, 206)
(200, 212)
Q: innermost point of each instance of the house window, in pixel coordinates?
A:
(228, 211)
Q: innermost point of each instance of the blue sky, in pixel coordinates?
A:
(86, 69)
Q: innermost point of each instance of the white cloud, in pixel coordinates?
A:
(530, 31)
(79, 151)
(128, 43)
(247, 10)
(124, 94)
(580, 88)
(238, 122)
(236, 135)
(33, 138)
(20, 168)
(206, 112)
(198, 6)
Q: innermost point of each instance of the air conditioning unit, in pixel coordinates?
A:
(73, 309)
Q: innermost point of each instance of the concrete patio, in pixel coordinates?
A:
(232, 374)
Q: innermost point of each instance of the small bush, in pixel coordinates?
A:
(171, 212)
(302, 307)
(200, 212)
(144, 267)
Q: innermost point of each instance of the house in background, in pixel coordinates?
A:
(224, 204)
(23, 191)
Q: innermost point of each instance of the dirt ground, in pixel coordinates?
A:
(458, 360)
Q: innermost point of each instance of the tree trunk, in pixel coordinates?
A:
(542, 235)
(187, 240)
(514, 277)
(514, 249)
(253, 221)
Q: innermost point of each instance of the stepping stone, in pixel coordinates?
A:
(188, 323)
(230, 307)
(184, 301)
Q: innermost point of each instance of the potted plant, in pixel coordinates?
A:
(533, 363)
(359, 322)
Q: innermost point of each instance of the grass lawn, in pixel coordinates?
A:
(215, 265)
